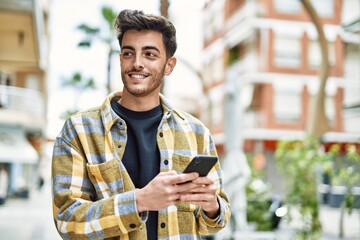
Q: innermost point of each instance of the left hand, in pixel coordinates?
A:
(203, 194)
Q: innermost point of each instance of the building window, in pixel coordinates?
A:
(330, 108)
(325, 8)
(288, 6)
(287, 101)
(329, 98)
(314, 54)
(352, 75)
(287, 52)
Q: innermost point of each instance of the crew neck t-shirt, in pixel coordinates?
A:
(142, 157)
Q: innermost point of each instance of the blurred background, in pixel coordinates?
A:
(276, 81)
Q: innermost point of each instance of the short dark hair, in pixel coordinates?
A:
(138, 20)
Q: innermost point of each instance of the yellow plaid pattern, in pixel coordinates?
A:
(93, 195)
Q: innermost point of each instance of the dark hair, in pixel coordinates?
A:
(137, 20)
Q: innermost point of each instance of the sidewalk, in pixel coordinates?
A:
(330, 222)
(28, 219)
(31, 219)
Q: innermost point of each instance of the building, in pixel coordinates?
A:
(266, 52)
(23, 64)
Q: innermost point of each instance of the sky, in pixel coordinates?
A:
(65, 58)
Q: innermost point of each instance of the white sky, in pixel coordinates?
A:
(66, 58)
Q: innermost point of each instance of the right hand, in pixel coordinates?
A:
(164, 190)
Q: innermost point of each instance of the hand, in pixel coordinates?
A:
(203, 195)
(164, 190)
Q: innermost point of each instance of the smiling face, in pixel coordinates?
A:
(143, 63)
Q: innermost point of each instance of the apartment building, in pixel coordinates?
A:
(23, 64)
(266, 52)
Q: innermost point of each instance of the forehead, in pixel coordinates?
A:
(140, 39)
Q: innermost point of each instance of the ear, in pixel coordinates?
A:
(170, 64)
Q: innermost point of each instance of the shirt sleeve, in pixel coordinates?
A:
(78, 212)
(208, 226)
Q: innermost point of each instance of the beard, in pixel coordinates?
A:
(154, 81)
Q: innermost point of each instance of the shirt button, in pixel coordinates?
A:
(161, 134)
(162, 225)
(166, 162)
(132, 225)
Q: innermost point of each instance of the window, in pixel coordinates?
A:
(325, 8)
(287, 52)
(329, 98)
(314, 54)
(330, 108)
(287, 100)
(352, 75)
(288, 6)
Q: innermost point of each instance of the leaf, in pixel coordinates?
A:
(109, 15)
(87, 29)
(84, 43)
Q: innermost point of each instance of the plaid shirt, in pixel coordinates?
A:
(93, 195)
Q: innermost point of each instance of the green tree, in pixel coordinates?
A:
(344, 170)
(79, 84)
(104, 35)
(299, 161)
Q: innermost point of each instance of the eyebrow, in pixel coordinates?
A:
(144, 48)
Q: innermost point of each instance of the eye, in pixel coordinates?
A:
(126, 54)
(150, 54)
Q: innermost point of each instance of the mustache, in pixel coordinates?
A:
(138, 71)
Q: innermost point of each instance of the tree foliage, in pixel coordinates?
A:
(299, 162)
(103, 35)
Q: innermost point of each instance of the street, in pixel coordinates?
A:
(31, 219)
(28, 219)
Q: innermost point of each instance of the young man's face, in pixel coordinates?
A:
(143, 62)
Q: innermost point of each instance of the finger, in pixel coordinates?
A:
(204, 189)
(185, 187)
(204, 181)
(186, 177)
(197, 197)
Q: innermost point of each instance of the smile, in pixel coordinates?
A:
(137, 75)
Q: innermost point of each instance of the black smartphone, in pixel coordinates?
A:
(201, 164)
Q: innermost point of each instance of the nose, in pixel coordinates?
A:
(138, 63)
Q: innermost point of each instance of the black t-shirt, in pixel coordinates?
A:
(142, 157)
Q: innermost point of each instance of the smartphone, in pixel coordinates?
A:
(201, 164)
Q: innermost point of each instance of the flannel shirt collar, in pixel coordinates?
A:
(109, 116)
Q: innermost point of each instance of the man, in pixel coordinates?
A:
(116, 169)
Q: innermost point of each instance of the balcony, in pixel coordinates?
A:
(23, 107)
(22, 35)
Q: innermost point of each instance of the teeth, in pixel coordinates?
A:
(137, 76)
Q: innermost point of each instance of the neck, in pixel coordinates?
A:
(139, 103)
